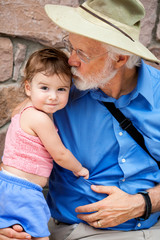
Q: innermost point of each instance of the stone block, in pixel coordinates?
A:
(27, 19)
(158, 30)
(2, 140)
(148, 22)
(18, 59)
(10, 96)
(156, 51)
(6, 59)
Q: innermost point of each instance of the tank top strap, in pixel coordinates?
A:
(25, 109)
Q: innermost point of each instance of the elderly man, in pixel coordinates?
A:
(121, 199)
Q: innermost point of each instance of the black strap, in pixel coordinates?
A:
(148, 208)
(127, 125)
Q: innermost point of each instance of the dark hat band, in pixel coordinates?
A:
(104, 20)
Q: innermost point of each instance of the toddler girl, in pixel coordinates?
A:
(32, 143)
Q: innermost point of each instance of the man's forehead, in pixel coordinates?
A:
(85, 41)
(82, 38)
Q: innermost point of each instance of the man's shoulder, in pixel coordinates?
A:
(150, 75)
(152, 78)
(154, 72)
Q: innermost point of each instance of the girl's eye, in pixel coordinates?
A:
(44, 88)
(61, 89)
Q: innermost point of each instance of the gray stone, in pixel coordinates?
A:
(148, 22)
(18, 60)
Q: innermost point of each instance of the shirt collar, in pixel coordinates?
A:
(144, 87)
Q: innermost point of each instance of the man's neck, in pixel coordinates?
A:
(123, 83)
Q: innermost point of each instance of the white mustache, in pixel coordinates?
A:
(74, 71)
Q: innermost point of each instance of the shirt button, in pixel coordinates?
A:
(123, 180)
(139, 225)
(123, 160)
(120, 133)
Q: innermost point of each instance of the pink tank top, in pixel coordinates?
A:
(26, 152)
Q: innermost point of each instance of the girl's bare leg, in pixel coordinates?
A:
(43, 238)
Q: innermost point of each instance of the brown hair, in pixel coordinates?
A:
(49, 60)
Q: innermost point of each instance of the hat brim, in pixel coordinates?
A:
(69, 19)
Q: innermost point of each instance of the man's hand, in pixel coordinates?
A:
(117, 208)
(14, 233)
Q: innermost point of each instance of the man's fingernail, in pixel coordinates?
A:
(28, 237)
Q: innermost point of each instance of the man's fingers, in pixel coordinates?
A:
(19, 232)
(103, 189)
(89, 217)
(97, 224)
(17, 228)
(7, 233)
(93, 207)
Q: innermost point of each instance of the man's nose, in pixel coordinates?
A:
(74, 60)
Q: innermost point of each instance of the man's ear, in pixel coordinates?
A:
(27, 88)
(121, 61)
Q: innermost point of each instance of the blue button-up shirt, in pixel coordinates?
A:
(112, 157)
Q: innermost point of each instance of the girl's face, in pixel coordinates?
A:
(48, 93)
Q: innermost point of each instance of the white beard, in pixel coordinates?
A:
(94, 81)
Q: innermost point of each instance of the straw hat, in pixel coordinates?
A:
(115, 22)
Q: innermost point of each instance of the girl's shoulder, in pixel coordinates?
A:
(32, 114)
(32, 119)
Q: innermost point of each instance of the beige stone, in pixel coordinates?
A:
(10, 96)
(28, 19)
(6, 59)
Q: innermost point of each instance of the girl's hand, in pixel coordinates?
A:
(82, 173)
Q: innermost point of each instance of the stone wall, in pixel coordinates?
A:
(24, 28)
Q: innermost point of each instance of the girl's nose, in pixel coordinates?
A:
(52, 96)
